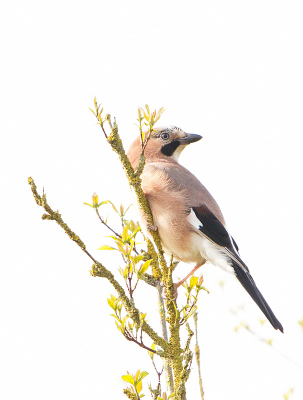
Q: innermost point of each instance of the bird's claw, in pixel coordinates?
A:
(152, 227)
(164, 292)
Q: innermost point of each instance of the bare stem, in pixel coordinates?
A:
(107, 226)
(197, 354)
(168, 371)
(131, 338)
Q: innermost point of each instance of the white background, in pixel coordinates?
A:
(230, 71)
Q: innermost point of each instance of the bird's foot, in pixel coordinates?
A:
(152, 227)
(165, 294)
(176, 285)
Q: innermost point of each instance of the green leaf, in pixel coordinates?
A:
(287, 395)
(132, 243)
(191, 312)
(130, 326)
(129, 379)
(115, 316)
(142, 137)
(105, 247)
(112, 206)
(111, 303)
(118, 326)
(138, 229)
(145, 115)
(150, 353)
(144, 267)
(136, 376)
(125, 236)
(127, 209)
(117, 239)
(142, 375)
(123, 272)
(121, 248)
(130, 268)
(139, 387)
(102, 202)
(193, 281)
(133, 225)
(87, 204)
(112, 237)
(128, 224)
(138, 258)
(159, 113)
(204, 288)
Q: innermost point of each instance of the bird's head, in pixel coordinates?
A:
(164, 143)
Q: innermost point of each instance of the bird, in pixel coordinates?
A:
(190, 223)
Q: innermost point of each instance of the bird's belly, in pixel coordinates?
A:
(179, 236)
(179, 242)
(194, 248)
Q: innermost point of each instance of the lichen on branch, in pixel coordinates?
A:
(54, 215)
(176, 358)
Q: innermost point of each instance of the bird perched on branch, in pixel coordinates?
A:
(190, 223)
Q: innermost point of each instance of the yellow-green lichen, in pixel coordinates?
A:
(155, 263)
(53, 215)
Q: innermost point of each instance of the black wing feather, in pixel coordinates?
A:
(216, 232)
(213, 228)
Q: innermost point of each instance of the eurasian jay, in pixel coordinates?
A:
(190, 223)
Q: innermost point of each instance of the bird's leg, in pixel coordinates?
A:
(176, 285)
(187, 276)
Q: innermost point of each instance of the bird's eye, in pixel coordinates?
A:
(165, 136)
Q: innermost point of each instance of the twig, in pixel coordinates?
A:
(167, 368)
(99, 270)
(197, 354)
(130, 337)
(107, 226)
(173, 313)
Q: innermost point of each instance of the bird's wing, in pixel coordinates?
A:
(177, 178)
(212, 228)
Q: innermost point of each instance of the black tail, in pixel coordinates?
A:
(249, 284)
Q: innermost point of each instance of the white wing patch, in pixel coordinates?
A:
(193, 220)
(233, 244)
(212, 252)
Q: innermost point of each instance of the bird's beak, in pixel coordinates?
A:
(189, 138)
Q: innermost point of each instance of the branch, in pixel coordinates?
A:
(99, 270)
(197, 354)
(167, 368)
(130, 337)
(107, 226)
(135, 181)
(174, 353)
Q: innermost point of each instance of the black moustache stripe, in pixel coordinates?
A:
(170, 148)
